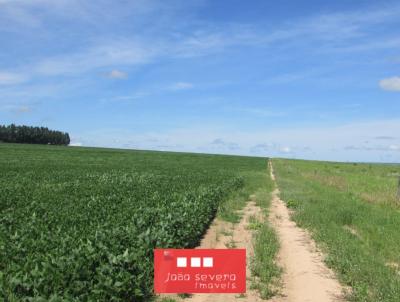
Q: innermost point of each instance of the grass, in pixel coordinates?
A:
(254, 223)
(265, 271)
(352, 212)
(373, 183)
(167, 300)
(229, 210)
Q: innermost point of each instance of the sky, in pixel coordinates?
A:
(299, 79)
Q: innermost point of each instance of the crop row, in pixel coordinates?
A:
(87, 232)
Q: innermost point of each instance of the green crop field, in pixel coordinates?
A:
(80, 224)
(353, 213)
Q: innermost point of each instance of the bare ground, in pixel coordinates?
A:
(305, 275)
(222, 235)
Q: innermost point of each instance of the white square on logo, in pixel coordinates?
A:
(181, 262)
(195, 262)
(207, 262)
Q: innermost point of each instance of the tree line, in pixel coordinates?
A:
(32, 135)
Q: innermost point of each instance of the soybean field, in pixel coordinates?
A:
(80, 224)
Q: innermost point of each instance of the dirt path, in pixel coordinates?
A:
(305, 276)
(221, 235)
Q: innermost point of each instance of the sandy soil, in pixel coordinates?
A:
(221, 235)
(305, 276)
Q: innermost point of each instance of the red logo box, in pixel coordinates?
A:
(199, 271)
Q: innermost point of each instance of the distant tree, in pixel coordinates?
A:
(32, 135)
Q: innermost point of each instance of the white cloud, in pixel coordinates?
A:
(117, 74)
(17, 109)
(365, 147)
(9, 78)
(122, 52)
(181, 86)
(390, 84)
(221, 145)
(285, 150)
(298, 142)
(77, 141)
(383, 137)
(263, 112)
(262, 148)
(28, 13)
(126, 98)
(24, 109)
(140, 49)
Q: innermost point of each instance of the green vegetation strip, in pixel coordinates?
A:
(265, 271)
(361, 237)
(80, 224)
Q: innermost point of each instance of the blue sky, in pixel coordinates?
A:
(302, 79)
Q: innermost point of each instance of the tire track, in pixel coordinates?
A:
(305, 277)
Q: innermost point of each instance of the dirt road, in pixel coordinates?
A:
(305, 277)
(227, 235)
